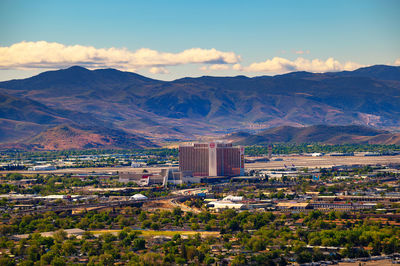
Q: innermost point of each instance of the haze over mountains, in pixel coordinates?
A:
(107, 108)
(318, 133)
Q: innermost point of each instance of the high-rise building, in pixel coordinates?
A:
(212, 159)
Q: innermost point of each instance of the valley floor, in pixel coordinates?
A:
(288, 160)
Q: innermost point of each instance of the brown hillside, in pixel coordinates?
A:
(317, 134)
(66, 137)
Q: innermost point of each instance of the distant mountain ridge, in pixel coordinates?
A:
(379, 72)
(27, 124)
(189, 108)
(327, 134)
(65, 137)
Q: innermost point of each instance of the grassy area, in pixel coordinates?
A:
(159, 232)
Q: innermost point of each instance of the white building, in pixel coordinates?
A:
(45, 167)
(220, 205)
(232, 198)
(317, 154)
(138, 197)
(138, 164)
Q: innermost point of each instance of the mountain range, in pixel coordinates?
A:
(106, 108)
(350, 134)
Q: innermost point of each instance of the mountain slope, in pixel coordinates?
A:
(76, 78)
(65, 137)
(379, 72)
(318, 133)
(107, 94)
(191, 107)
(364, 96)
(28, 124)
(23, 109)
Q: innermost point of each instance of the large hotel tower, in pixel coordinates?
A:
(212, 159)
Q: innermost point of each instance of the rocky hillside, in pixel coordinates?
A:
(191, 107)
(316, 134)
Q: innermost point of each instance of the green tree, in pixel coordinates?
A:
(139, 244)
(304, 257)
(239, 260)
(150, 259)
(68, 248)
(33, 253)
(106, 259)
(60, 236)
(58, 261)
(7, 261)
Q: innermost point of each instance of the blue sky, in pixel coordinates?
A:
(234, 37)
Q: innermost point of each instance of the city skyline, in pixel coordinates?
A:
(173, 40)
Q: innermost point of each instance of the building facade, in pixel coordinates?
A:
(164, 177)
(212, 159)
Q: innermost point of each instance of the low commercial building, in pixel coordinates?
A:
(18, 197)
(182, 177)
(238, 203)
(354, 198)
(317, 154)
(332, 206)
(46, 167)
(171, 176)
(220, 205)
(322, 206)
(233, 198)
(289, 206)
(138, 164)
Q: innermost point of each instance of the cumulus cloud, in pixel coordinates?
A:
(158, 70)
(282, 65)
(237, 67)
(44, 54)
(397, 62)
(215, 67)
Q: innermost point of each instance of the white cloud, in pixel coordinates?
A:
(219, 67)
(52, 55)
(237, 67)
(215, 67)
(282, 65)
(44, 54)
(158, 70)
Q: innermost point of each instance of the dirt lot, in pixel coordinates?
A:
(159, 205)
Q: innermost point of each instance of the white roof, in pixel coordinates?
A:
(232, 198)
(226, 204)
(138, 196)
(52, 197)
(316, 154)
